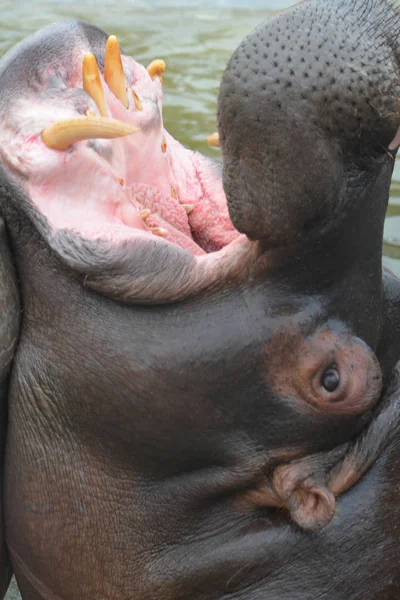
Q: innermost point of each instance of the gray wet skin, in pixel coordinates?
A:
(9, 326)
(149, 446)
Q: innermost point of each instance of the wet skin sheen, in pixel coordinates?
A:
(151, 443)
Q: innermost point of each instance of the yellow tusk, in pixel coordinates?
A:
(136, 98)
(63, 134)
(114, 71)
(156, 68)
(160, 231)
(145, 213)
(163, 146)
(213, 140)
(188, 208)
(92, 82)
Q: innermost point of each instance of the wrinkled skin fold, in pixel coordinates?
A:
(9, 326)
(203, 402)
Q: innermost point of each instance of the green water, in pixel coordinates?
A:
(196, 39)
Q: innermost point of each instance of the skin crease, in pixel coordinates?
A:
(138, 433)
(10, 312)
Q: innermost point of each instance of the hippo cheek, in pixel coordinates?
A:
(332, 372)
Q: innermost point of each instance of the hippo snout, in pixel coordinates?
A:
(316, 88)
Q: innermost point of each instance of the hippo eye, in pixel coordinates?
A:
(330, 380)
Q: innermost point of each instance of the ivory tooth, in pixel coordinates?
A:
(137, 101)
(92, 82)
(156, 68)
(188, 208)
(63, 134)
(174, 193)
(114, 71)
(213, 140)
(145, 213)
(160, 231)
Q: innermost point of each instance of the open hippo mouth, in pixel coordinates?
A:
(95, 157)
(143, 219)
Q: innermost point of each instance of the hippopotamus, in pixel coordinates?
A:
(203, 401)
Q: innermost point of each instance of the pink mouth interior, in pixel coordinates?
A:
(98, 188)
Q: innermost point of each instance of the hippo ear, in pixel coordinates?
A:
(309, 501)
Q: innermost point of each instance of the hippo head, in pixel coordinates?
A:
(251, 322)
